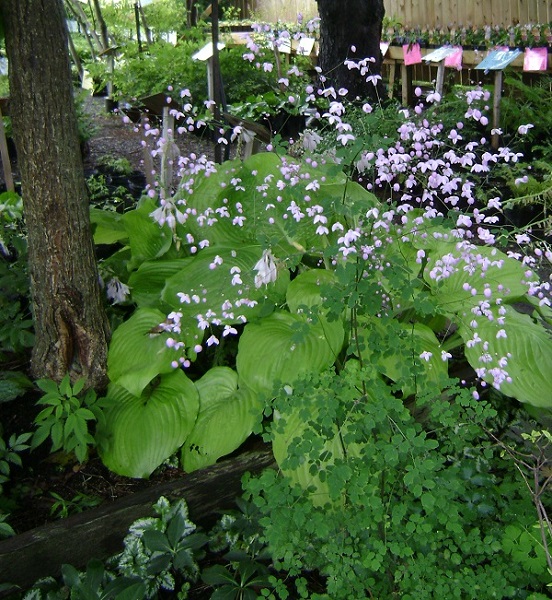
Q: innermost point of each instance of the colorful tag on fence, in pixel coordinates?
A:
(412, 54)
(455, 60)
(535, 59)
(440, 54)
(306, 46)
(498, 59)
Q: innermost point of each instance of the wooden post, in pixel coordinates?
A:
(496, 108)
(406, 81)
(440, 78)
(392, 76)
(211, 84)
(6, 163)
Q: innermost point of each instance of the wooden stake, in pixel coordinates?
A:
(440, 78)
(496, 108)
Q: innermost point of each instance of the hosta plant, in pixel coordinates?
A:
(385, 257)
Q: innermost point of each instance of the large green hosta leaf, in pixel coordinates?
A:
(209, 194)
(295, 427)
(213, 287)
(305, 288)
(480, 267)
(527, 347)
(147, 239)
(283, 346)
(142, 431)
(390, 347)
(136, 354)
(226, 418)
(148, 281)
(244, 204)
(108, 226)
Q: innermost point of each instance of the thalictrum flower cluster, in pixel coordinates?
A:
(426, 173)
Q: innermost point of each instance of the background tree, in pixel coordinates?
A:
(345, 24)
(70, 322)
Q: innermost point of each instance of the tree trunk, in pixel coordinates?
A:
(70, 322)
(344, 25)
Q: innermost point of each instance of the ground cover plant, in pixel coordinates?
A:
(363, 291)
(356, 276)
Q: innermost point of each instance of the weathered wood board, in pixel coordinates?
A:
(99, 532)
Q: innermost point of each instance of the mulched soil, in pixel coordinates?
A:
(112, 137)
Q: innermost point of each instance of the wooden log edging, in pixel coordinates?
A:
(99, 532)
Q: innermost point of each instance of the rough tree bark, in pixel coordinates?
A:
(70, 322)
(345, 24)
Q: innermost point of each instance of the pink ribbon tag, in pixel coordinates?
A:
(535, 59)
(455, 60)
(412, 54)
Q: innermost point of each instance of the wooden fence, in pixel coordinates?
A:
(476, 13)
(418, 13)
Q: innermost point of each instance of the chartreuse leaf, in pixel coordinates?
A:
(147, 239)
(148, 281)
(226, 418)
(211, 283)
(478, 268)
(526, 351)
(347, 198)
(283, 346)
(305, 288)
(209, 194)
(138, 352)
(296, 426)
(376, 335)
(108, 226)
(141, 432)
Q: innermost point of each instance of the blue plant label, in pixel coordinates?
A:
(440, 54)
(498, 59)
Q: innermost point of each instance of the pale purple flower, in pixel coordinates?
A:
(213, 340)
(117, 291)
(267, 271)
(524, 129)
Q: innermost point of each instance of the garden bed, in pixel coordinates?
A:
(98, 533)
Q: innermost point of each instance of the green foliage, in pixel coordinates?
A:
(141, 431)
(117, 165)
(159, 556)
(325, 316)
(96, 583)
(144, 74)
(6, 530)
(16, 334)
(104, 197)
(67, 417)
(385, 501)
(62, 508)
(247, 566)
(161, 551)
(523, 103)
(10, 451)
(12, 385)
